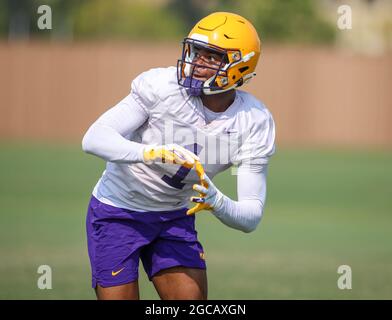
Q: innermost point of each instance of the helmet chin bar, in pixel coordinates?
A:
(197, 87)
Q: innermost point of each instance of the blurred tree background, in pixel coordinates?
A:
(277, 21)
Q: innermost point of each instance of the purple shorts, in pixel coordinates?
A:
(117, 238)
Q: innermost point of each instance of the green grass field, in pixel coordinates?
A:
(324, 209)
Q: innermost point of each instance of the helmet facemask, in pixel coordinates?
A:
(215, 84)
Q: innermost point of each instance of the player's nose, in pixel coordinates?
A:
(201, 64)
(200, 61)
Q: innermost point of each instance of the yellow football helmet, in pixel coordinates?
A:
(230, 35)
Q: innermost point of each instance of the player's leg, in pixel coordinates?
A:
(129, 291)
(181, 283)
(115, 238)
(174, 261)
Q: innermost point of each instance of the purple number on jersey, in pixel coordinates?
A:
(175, 181)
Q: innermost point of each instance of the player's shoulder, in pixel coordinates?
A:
(155, 74)
(159, 80)
(154, 85)
(253, 109)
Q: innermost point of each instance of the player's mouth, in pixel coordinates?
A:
(199, 77)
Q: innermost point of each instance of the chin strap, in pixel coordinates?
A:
(197, 87)
(194, 86)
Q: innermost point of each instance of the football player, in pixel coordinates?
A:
(156, 142)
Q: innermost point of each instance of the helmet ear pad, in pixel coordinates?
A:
(233, 76)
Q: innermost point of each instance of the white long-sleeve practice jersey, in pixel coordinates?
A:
(158, 111)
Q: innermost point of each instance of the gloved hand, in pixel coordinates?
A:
(169, 153)
(209, 198)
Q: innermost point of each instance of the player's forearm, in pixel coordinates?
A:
(106, 143)
(243, 215)
(106, 136)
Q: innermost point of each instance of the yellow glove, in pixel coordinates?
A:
(200, 200)
(170, 153)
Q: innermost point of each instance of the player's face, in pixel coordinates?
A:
(205, 57)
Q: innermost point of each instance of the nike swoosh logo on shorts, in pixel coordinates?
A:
(114, 273)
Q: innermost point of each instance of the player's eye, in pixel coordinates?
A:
(214, 59)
